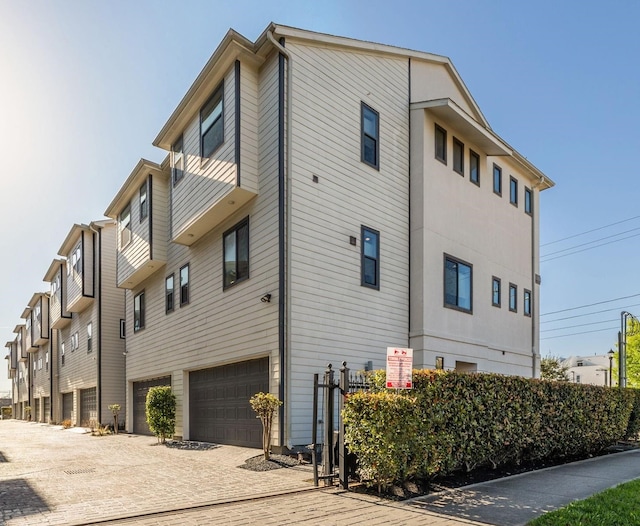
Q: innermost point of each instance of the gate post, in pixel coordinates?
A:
(343, 472)
(327, 446)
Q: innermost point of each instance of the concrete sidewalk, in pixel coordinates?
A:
(53, 476)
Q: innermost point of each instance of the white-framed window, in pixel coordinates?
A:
(76, 258)
(89, 337)
(125, 226)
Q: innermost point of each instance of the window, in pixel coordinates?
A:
(40, 363)
(125, 226)
(458, 156)
(474, 167)
(497, 179)
(528, 201)
(177, 166)
(578, 379)
(513, 191)
(441, 144)
(123, 327)
(495, 292)
(513, 297)
(370, 129)
(457, 284)
(212, 124)
(236, 253)
(184, 285)
(62, 353)
(46, 361)
(370, 276)
(144, 205)
(168, 293)
(89, 337)
(527, 302)
(76, 259)
(138, 312)
(75, 341)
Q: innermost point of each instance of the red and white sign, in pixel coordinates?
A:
(399, 368)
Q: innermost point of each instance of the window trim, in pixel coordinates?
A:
(513, 186)
(144, 204)
(139, 298)
(235, 229)
(498, 170)
(528, 201)
(364, 258)
(526, 309)
(440, 129)
(218, 92)
(177, 155)
(365, 107)
(185, 290)
(474, 155)
(123, 329)
(458, 143)
(458, 261)
(495, 280)
(167, 308)
(513, 306)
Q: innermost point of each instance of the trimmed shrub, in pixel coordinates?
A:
(160, 411)
(265, 405)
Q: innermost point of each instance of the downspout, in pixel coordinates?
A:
(534, 297)
(285, 289)
(99, 324)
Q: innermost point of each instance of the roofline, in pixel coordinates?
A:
(132, 185)
(53, 268)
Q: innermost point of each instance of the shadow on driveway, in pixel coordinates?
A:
(19, 499)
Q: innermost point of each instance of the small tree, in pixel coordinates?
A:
(115, 409)
(551, 368)
(265, 404)
(27, 412)
(160, 411)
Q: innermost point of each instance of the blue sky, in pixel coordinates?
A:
(85, 86)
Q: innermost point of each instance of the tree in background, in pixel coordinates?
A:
(551, 368)
(633, 353)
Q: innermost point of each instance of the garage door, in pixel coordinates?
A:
(219, 409)
(47, 409)
(88, 411)
(140, 390)
(67, 406)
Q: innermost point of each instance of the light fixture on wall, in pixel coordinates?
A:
(266, 298)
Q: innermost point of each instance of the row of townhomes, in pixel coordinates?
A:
(320, 200)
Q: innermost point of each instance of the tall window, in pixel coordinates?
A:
(458, 156)
(370, 129)
(184, 285)
(497, 179)
(168, 293)
(212, 123)
(513, 191)
(89, 337)
(457, 284)
(236, 253)
(474, 167)
(370, 258)
(513, 297)
(46, 361)
(495, 291)
(144, 205)
(177, 166)
(138, 312)
(76, 259)
(125, 226)
(441, 144)
(528, 201)
(527, 302)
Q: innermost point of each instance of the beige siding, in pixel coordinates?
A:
(137, 252)
(159, 216)
(334, 318)
(249, 127)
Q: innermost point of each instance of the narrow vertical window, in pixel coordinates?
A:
(497, 179)
(177, 161)
(89, 337)
(513, 191)
(46, 361)
(144, 205)
(441, 144)
(495, 292)
(212, 123)
(528, 201)
(236, 253)
(168, 293)
(123, 329)
(458, 156)
(370, 130)
(527, 302)
(457, 284)
(184, 285)
(138, 312)
(125, 226)
(513, 297)
(370, 276)
(474, 167)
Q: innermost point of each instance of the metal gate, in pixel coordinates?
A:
(88, 412)
(140, 390)
(67, 406)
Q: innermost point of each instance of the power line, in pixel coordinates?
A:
(589, 231)
(590, 242)
(579, 325)
(589, 313)
(577, 333)
(590, 248)
(590, 305)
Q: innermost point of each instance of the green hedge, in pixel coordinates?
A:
(455, 421)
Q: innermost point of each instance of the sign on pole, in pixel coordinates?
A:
(399, 368)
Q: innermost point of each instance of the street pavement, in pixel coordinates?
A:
(52, 476)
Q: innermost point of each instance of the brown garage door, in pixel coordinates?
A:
(67, 406)
(219, 409)
(140, 390)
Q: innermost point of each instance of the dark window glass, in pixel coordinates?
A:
(474, 167)
(370, 258)
(458, 156)
(138, 312)
(441, 144)
(370, 133)
(89, 337)
(236, 253)
(513, 191)
(513, 297)
(184, 285)
(457, 284)
(528, 201)
(212, 124)
(497, 179)
(495, 293)
(168, 287)
(177, 153)
(144, 205)
(527, 302)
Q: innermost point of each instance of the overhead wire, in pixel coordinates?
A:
(590, 231)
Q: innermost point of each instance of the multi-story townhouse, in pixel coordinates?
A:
(21, 387)
(12, 373)
(323, 199)
(41, 377)
(87, 313)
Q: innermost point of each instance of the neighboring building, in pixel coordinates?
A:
(42, 338)
(20, 388)
(594, 370)
(323, 198)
